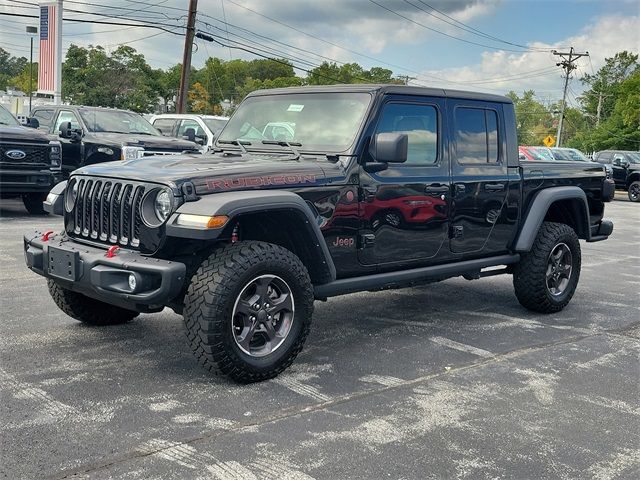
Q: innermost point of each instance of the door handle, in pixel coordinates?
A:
(494, 187)
(436, 189)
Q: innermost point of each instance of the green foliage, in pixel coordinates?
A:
(10, 67)
(533, 119)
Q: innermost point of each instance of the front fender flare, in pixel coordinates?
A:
(539, 208)
(233, 204)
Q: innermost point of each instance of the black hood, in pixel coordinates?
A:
(148, 142)
(11, 133)
(213, 173)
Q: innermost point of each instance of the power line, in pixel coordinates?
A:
(446, 34)
(567, 64)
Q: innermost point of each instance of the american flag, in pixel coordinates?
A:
(47, 65)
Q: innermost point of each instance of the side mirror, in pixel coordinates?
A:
(65, 130)
(389, 147)
(190, 134)
(33, 122)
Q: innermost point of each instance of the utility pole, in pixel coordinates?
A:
(31, 31)
(567, 64)
(186, 58)
(405, 79)
(599, 109)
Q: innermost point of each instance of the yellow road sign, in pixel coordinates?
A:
(549, 141)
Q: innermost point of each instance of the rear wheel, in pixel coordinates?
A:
(88, 310)
(33, 202)
(248, 310)
(634, 191)
(546, 278)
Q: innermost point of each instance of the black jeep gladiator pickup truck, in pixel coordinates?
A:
(30, 163)
(367, 188)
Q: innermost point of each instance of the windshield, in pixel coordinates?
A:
(215, 124)
(116, 121)
(326, 122)
(569, 154)
(634, 157)
(6, 118)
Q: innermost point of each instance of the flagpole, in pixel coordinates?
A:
(57, 71)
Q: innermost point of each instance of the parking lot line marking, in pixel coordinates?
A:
(25, 391)
(386, 380)
(463, 347)
(301, 389)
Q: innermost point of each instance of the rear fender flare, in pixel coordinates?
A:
(538, 210)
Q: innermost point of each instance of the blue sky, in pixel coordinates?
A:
(373, 33)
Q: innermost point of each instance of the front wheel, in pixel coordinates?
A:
(248, 310)
(33, 203)
(634, 191)
(546, 278)
(88, 310)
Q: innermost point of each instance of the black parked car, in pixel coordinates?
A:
(626, 170)
(242, 241)
(29, 162)
(94, 135)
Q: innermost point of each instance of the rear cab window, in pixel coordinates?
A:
(165, 125)
(44, 117)
(476, 135)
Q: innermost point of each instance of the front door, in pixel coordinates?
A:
(479, 177)
(405, 206)
(71, 149)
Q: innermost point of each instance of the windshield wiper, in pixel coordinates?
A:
(141, 133)
(240, 143)
(284, 143)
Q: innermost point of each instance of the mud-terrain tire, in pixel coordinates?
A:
(542, 280)
(88, 310)
(634, 191)
(33, 203)
(227, 302)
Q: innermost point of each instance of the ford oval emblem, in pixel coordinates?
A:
(15, 154)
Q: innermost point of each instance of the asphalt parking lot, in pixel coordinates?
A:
(449, 380)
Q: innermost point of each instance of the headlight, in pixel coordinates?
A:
(156, 206)
(130, 152)
(71, 195)
(163, 205)
(55, 155)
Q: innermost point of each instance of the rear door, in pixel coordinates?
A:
(479, 177)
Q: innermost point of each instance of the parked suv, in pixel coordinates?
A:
(202, 129)
(92, 135)
(626, 170)
(29, 163)
(242, 241)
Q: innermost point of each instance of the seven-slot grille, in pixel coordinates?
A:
(108, 211)
(35, 154)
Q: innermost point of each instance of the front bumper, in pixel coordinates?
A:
(86, 269)
(608, 189)
(16, 181)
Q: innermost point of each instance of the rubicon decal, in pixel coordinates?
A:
(242, 182)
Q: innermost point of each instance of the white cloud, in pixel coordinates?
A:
(503, 71)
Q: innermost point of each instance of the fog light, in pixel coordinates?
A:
(133, 283)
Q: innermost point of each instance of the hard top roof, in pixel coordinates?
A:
(385, 89)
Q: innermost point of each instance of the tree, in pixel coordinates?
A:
(600, 98)
(199, 99)
(534, 121)
(21, 81)
(10, 67)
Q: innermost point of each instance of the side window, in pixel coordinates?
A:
(185, 124)
(420, 123)
(165, 125)
(604, 157)
(66, 116)
(476, 135)
(44, 117)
